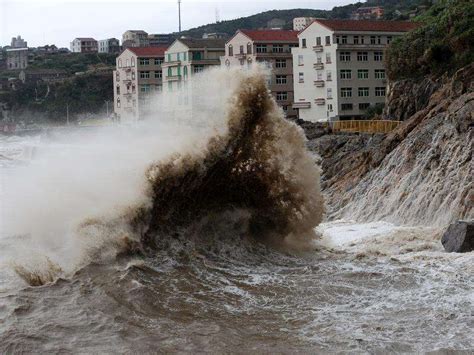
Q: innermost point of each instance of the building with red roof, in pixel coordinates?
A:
(339, 67)
(272, 47)
(138, 77)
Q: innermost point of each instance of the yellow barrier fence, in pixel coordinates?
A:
(376, 126)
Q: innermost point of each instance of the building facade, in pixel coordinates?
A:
(272, 47)
(135, 38)
(339, 67)
(18, 42)
(84, 45)
(160, 40)
(138, 75)
(110, 45)
(368, 13)
(300, 23)
(17, 58)
(185, 58)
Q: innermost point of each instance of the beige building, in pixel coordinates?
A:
(185, 58)
(368, 13)
(135, 38)
(272, 47)
(84, 45)
(17, 58)
(339, 67)
(300, 23)
(137, 77)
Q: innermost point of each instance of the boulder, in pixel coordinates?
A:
(459, 237)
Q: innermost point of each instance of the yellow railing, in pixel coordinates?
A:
(376, 126)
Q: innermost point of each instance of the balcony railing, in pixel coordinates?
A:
(320, 101)
(318, 48)
(174, 78)
(319, 83)
(318, 66)
(301, 105)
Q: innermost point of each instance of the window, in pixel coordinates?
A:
(197, 55)
(319, 58)
(380, 91)
(158, 74)
(346, 107)
(185, 56)
(249, 48)
(118, 101)
(328, 75)
(356, 39)
(346, 92)
(178, 57)
(379, 39)
(144, 75)
(320, 75)
(328, 40)
(158, 61)
(330, 108)
(344, 40)
(144, 88)
(362, 74)
(281, 79)
(133, 61)
(280, 63)
(318, 41)
(346, 74)
(362, 39)
(119, 63)
(372, 39)
(345, 56)
(241, 50)
(170, 72)
(378, 56)
(144, 61)
(277, 48)
(329, 92)
(198, 68)
(185, 72)
(300, 60)
(362, 56)
(127, 62)
(118, 89)
(328, 58)
(389, 39)
(303, 43)
(338, 39)
(379, 73)
(364, 106)
(134, 89)
(169, 57)
(363, 92)
(301, 77)
(282, 96)
(261, 48)
(117, 75)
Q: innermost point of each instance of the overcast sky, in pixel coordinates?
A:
(59, 21)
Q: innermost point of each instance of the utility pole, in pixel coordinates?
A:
(179, 14)
(67, 114)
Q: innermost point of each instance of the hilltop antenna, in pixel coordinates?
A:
(179, 14)
(218, 18)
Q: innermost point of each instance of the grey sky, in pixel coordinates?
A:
(54, 21)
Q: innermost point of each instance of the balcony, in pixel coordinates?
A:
(240, 55)
(318, 66)
(319, 83)
(173, 78)
(301, 105)
(320, 101)
(318, 48)
(171, 63)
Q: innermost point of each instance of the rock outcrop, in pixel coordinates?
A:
(459, 237)
(421, 173)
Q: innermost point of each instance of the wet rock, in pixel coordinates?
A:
(459, 237)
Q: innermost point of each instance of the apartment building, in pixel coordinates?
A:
(18, 42)
(368, 13)
(17, 58)
(84, 45)
(185, 58)
(300, 23)
(110, 45)
(339, 67)
(137, 77)
(135, 38)
(272, 47)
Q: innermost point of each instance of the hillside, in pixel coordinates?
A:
(393, 10)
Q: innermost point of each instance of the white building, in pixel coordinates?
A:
(110, 45)
(183, 59)
(300, 23)
(138, 75)
(84, 45)
(339, 68)
(18, 42)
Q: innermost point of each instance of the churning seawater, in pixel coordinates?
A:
(207, 286)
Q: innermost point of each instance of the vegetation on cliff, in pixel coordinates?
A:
(443, 43)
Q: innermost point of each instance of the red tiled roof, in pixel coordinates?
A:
(272, 35)
(368, 26)
(148, 51)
